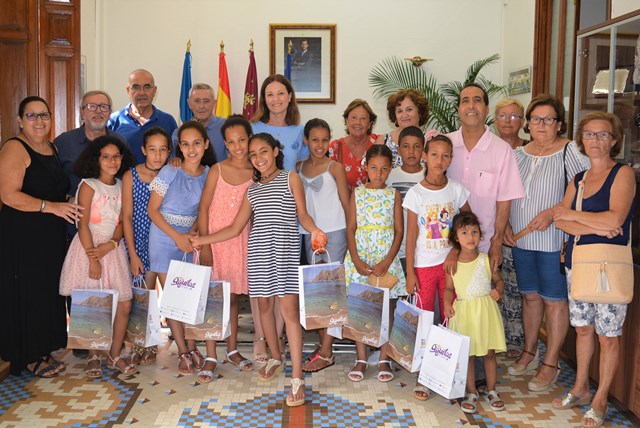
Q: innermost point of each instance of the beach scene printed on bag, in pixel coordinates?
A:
(139, 316)
(404, 335)
(91, 325)
(365, 305)
(212, 326)
(323, 295)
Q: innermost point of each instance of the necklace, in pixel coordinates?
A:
(264, 177)
(446, 180)
(150, 169)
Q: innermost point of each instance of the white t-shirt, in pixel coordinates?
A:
(435, 210)
(403, 181)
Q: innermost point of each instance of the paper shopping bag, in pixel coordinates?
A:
(444, 365)
(185, 292)
(215, 325)
(409, 335)
(322, 292)
(368, 319)
(144, 319)
(92, 314)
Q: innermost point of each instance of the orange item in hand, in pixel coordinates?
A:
(318, 240)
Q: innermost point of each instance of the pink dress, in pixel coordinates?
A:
(105, 214)
(229, 257)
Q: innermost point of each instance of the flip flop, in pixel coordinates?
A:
(279, 366)
(295, 386)
(329, 362)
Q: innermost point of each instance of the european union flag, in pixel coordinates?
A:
(185, 112)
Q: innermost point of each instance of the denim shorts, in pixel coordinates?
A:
(539, 272)
(336, 247)
(608, 318)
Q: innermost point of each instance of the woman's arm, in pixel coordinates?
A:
(231, 231)
(412, 238)
(339, 174)
(398, 229)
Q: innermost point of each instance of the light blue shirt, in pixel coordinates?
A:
(292, 139)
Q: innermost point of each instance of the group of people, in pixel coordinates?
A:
(465, 220)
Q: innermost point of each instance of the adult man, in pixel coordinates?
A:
(95, 110)
(202, 102)
(140, 114)
(303, 57)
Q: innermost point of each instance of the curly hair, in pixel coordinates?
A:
(88, 163)
(209, 157)
(416, 97)
(274, 144)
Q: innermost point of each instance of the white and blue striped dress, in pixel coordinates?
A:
(274, 242)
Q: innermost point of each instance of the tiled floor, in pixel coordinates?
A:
(157, 396)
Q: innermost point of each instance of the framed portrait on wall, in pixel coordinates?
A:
(312, 59)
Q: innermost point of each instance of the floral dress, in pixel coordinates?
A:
(374, 235)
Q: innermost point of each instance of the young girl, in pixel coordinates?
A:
(327, 195)
(427, 246)
(276, 200)
(156, 145)
(374, 235)
(173, 209)
(226, 185)
(95, 259)
(475, 312)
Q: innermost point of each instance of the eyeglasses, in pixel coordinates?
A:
(535, 120)
(107, 157)
(94, 107)
(138, 88)
(600, 136)
(503, 117)
(34, 116)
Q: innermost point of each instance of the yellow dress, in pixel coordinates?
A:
(476, 314)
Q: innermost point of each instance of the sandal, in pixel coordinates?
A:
(60, 365)
(595, 415)
(517, 369)
(495, 401)
(136, 353)
(184, 360)
(48, 372)
(328, 362)
(469, 404)
(149, 356)
(204, 374)
(244, 365)
(312, 356)
(382, 373)
(569, 401)
(541, 385)
(270, 365)
(197, 359)
(513, 353)
(295, 387)
(357, 375)
(112, 363)
(421, 392)
(95, 372)
(260, 358)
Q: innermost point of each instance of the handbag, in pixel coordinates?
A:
(601, 273)
(215, 325)
(144, 327)
(409, 334)
(387, 280)
(322, 294)
(92, 314)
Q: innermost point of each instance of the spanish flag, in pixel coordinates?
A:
(223, 105)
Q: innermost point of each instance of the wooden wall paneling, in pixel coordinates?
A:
(542, 47)
(562, 43)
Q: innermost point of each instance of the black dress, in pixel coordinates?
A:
(32, 250)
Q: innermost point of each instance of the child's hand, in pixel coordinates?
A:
(318, 241)
(98, 252)
(451, 263)
(95, 269)
(195, 241)
(137, 267)
(184, 243)
(362, 268)
(495, 294)
(381, 268)
(175, 162)
(449, 312)
(412, 283)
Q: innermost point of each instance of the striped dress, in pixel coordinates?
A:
(274, 242)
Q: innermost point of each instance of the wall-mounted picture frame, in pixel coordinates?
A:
(313, 59)
(520, 81)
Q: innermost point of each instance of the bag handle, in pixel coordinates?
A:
(319, 251)
(140, 281)
(416, 300)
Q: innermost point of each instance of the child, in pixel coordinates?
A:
(374, 235)
(221, 200)
(173, 209)
(95, 259)
(427, 250)
(156, 145)
(475, 312)
(327, 195)
(404, 177)
(276, 201)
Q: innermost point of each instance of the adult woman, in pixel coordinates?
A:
(359, 119)
(406, 107)
(545, 165)
(509, 114)
(33, 189)
(279, 116)
(607, 207)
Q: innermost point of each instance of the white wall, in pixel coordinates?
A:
(620, 7)
(120, 35)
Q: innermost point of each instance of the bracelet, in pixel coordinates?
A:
(42, 205)
(115, 244)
